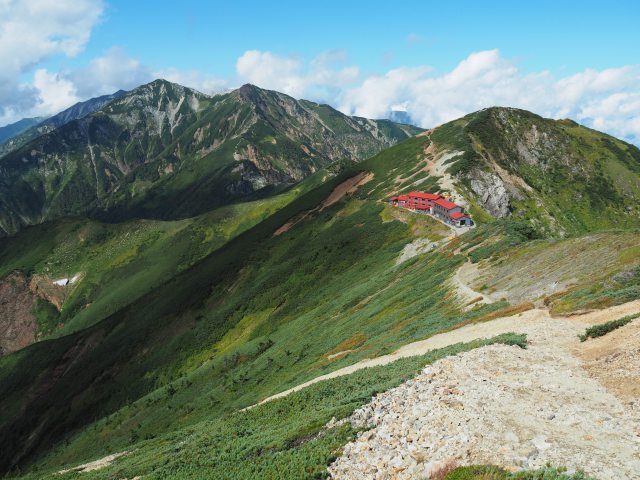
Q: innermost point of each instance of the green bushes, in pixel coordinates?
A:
(604, 328)
(285, 438)
(510, 232)
(492, 472)
(464, 163)
(46, 315)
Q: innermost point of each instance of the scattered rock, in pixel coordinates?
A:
(494, 405)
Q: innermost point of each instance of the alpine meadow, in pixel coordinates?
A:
(300, 267)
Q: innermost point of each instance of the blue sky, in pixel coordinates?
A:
(564, 36)
(436, 60)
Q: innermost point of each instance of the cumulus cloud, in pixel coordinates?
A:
(108, 73)
(54, 92)
(608, 99)
(195, 79)
(32, 31)
(320, 78)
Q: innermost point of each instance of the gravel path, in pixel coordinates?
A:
(463, 334)
(501, 405)
(460, 281)
(526, 322)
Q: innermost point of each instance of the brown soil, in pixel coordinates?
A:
(18, 326)
(348, 187)
(43, 287)
(614, 360)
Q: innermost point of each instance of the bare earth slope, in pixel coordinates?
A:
(501, 405)
(18, 325)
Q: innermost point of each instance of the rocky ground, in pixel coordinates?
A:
(507, 406)
(18, 324)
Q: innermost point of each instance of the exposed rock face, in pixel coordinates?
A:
(18, 325)
(495, 405)
(559, 176)
(492, 193)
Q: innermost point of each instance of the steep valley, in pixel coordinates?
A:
(237, 248)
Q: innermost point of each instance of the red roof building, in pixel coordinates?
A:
(422, 200)
(436, 204)
(446, 204)
(425, 196)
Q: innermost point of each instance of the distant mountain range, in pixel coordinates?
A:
(14, 129)
(23, 131)
(167, 151)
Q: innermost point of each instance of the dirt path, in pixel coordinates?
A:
(614, 360)
(96, 464)
(536, 323)
(497, 405)
(461, 282)
(437, 166)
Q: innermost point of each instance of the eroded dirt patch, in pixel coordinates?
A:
(54, 291)
(348, 187)
(614, 360)
(18, 326)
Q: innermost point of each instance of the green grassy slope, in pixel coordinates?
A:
(596, 270)
(260, 314)
(118, 263)
(246, 322)
(284, 438)
(564, 178)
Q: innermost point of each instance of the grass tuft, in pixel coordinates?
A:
(492, 472)
(604, 328)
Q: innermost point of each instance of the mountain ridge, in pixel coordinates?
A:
(560, 176)
(48, 124)
(172, 325)
(13, 129)
(163, 140)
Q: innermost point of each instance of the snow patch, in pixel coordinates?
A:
(63, 282)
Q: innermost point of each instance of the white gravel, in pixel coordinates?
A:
(497, 405)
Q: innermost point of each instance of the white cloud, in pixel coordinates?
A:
(32, 31)
(293, 76)
(108, 73)
(54, 93)
(194, 79)
(377, 95)
(608, 99)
